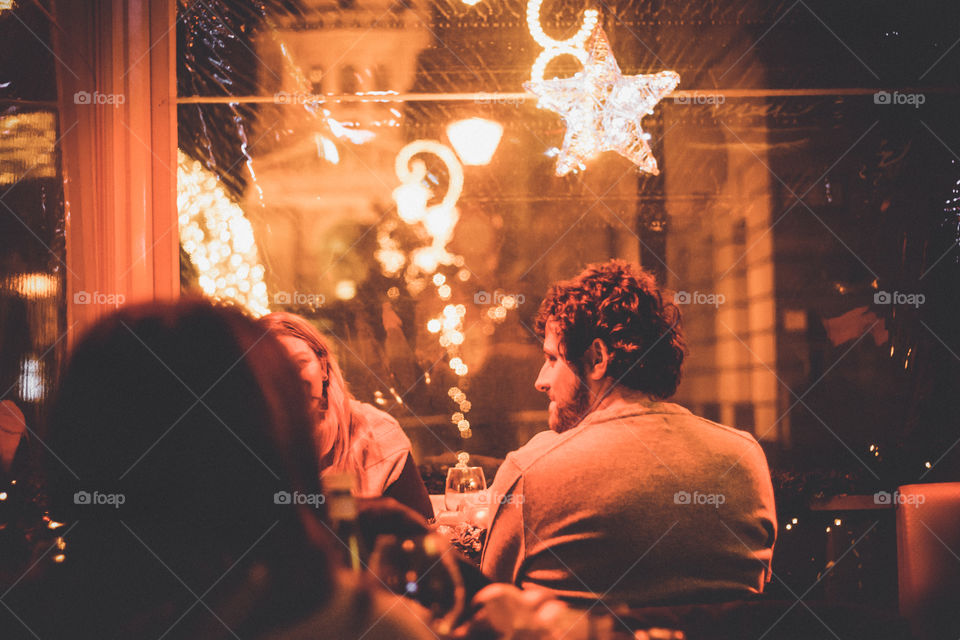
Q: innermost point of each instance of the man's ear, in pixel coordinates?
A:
(597, 359)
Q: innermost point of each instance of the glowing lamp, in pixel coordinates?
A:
(346, 289)
(32, 388)
(33, 285)
(440, 222)
(475, 139)
(327, 149)
(411, 199)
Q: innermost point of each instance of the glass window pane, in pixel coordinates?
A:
(791, 196)
(32, 247)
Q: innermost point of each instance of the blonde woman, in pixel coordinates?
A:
(352, 436)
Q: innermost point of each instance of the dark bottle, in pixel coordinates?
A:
(342, 509)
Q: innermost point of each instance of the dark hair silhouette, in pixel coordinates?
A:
(620, 304)
(194, 415)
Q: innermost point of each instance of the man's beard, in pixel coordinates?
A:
(569, 415)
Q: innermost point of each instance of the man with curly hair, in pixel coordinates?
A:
(627, 498)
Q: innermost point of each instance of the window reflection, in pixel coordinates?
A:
(32, 246)
(763, 223)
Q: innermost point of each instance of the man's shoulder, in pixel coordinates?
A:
(728, 432)
(639, 414)
(720, 441)
(535, 448)
(603, 430)
(546, 448)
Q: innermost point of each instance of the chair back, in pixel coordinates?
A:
(928, 558)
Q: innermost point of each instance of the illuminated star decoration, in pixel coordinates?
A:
(602, 108)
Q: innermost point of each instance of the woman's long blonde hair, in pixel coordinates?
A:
(339, 415)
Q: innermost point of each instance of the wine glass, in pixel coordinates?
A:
(465, 487)
(422, 568)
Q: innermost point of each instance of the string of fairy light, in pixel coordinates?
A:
(219, 239)
(952, 209)
(552, 48)
(601, 108)
(437, 222)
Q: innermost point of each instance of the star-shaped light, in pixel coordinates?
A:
(602, 108)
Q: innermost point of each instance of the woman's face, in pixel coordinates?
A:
(313, 371)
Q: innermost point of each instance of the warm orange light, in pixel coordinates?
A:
(411, 199)
(216, 234)
(33, 285)
(475, 139)
(346, 290)
(327, 149)
(28, 143)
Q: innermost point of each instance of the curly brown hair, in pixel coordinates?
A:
(619, 303)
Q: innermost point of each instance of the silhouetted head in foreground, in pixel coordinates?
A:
(183, 463)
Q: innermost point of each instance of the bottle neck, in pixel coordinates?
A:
(342, 509)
